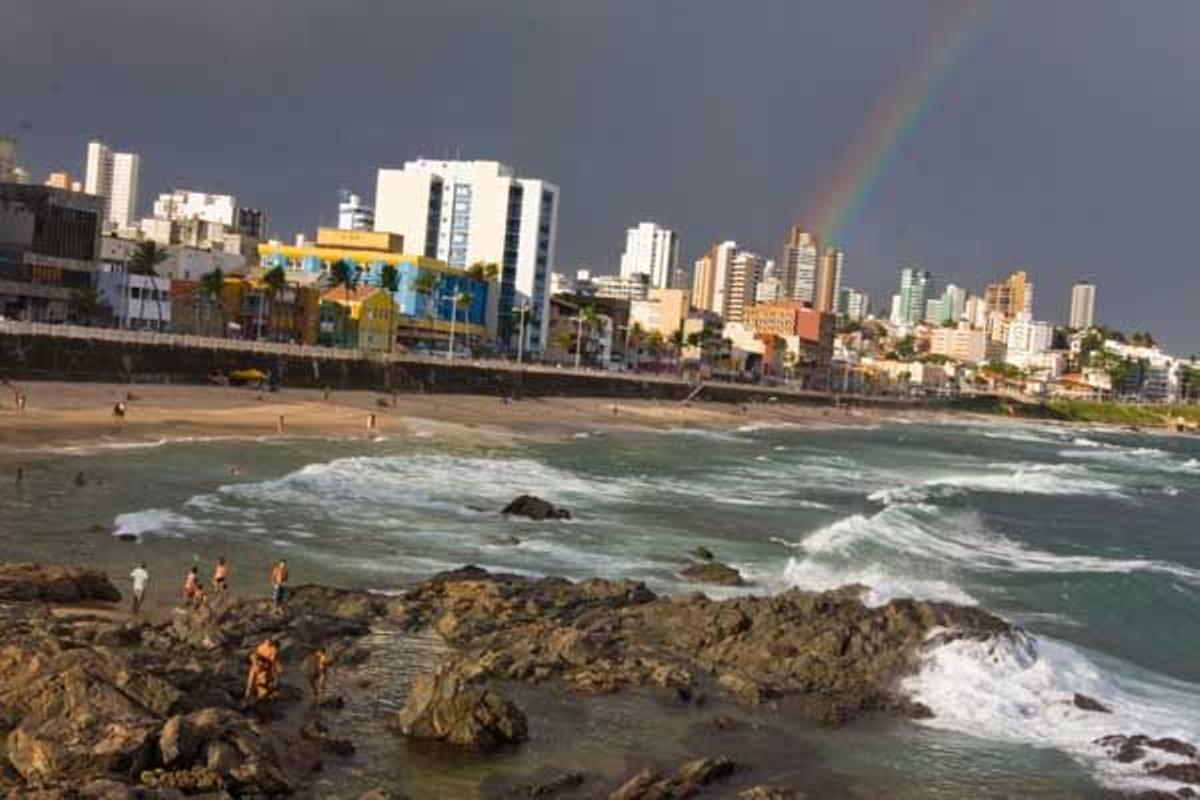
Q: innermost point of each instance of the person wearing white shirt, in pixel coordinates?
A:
(140, 578)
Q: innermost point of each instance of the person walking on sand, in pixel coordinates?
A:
(221, 580)
(190, 584)
(279, 580)
(140, 578)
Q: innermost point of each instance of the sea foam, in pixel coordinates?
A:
(1021, 690)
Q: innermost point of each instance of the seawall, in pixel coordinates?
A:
(51, 358)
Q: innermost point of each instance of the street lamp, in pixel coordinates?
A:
(522, 309)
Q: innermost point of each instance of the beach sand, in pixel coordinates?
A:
(81, 414)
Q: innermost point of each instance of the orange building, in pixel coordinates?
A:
(788, 318)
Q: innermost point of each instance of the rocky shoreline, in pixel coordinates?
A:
(97, 708)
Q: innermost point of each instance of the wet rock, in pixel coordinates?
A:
(724, 722)
(1184, 773)
(534, 508)
(689, 780)
(1086, 703)
(54, 583)
(553, 785)
(445, 707)
(762, 792)
(712, 572)
(702, 553)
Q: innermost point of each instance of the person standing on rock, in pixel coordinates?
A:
(140, 578)
(318, 673)
(279, 579)
(191, 584)
(220, 580)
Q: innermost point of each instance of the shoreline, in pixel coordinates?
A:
(61, 417)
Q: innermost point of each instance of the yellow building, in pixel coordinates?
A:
(425, 287)
(364, 318)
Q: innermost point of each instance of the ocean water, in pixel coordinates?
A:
(1087, 539)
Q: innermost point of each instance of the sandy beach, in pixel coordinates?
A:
(81, 414)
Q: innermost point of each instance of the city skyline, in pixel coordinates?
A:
(1006, 157)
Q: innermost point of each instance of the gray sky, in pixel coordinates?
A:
(1065, 142)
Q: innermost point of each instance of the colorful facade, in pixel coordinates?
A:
(424, 306)
(364, 318)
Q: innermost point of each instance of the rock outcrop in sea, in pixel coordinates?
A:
(93, 707)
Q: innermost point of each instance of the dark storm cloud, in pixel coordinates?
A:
(1064, 143)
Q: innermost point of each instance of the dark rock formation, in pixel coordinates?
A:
(702, 553)
(55, 584)
(1184, 768)
(712, 572)
(838, 657)
(1086, 703)
(446, 707)
(93, 708)
(688, 781)
(535, 508)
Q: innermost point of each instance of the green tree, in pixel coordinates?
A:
(345, 274)
(389, 278)
(84, 304)
(484, 270)
(144, 260)
(425, 285)
(905, 348)
(274, 282)
(211, 284)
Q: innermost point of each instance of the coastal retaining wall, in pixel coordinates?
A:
(40, 357)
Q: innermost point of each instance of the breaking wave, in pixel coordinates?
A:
(1021, 690)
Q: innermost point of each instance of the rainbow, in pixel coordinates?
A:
(837, 204)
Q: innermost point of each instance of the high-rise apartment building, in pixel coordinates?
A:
(1012, 296)
(710, 282)
(769, 287)
(949, 307)
(798, 265)
(463, 212)
(829, 280)
(113, 176)
(916, 285)
(653, 251)
(1083, 305)
(745, 272)
(353, 213)
(853, 304)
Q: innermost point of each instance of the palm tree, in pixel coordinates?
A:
(144, 260)
(274, 282)
(343, 273)
(484, 270)
(425, 285)
(389, 278)
(83, 304)
(211, 284)
(389, 281)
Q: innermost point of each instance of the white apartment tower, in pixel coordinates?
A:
(798, 266)
(745, 272)
(711, 280)
(1083, 305)
(653, 251)
(463, 212)
(353, 213)
(113, 176)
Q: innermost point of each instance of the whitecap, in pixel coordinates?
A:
(1021, 690)
(159, 521)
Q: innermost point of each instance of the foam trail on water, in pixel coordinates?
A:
(159, 521)
(961, 543)
(1043, 479)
